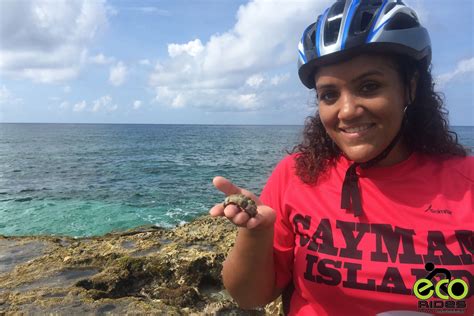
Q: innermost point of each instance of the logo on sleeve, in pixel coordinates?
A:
(435, 211)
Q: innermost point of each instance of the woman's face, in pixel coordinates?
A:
(361, 104)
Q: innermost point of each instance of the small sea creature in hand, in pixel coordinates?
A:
(245, 204)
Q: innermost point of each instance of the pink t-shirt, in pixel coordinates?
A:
(333, 263)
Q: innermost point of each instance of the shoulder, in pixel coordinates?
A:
(452, 166)
(283, 172)
(286, 167)
(464, 166)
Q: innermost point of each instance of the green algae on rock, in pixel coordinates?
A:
(144, 270)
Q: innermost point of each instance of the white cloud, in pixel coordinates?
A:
(118, 74)
(279, 79)
(150, 10)
(247, 101)
(144, 62)
(101, 59)
(112, 108)
(179, 101)
(255, 81)
(223, 73)
(137, 104)
(64, 105)
(80, 106)
(463, 67)
(7, 98)
(192, 48)
(104, 103)
(101, 103)
(45, 40)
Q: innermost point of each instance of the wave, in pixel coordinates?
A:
(25, 199)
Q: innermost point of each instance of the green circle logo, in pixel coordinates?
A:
(463, 293)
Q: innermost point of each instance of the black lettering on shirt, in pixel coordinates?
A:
(466, 243)
(436, 242)
(305, 223)
(310, 261)
(392, 277)
(323, 233)
(324, 269)
(347, 229)
(352, 282)
(384, 234)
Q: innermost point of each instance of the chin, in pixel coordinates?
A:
(360, 156)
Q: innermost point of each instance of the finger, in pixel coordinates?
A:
(231, 210)
(225, 186)
(228, 188)
(241, 219)
(265, 217)
(217, 210)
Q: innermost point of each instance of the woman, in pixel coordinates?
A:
(377, 196)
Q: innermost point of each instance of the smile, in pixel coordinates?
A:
(357, 129)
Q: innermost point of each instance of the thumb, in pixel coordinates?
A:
(228, 188)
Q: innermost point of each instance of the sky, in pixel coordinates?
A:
(189, 62)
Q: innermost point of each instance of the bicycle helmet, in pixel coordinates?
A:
(356, 26)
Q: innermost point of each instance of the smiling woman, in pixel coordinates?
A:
(378, 193)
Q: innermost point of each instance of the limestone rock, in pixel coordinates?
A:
(143, 270)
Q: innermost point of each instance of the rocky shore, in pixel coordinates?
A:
(144, 270)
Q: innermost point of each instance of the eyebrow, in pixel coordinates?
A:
(358, 78)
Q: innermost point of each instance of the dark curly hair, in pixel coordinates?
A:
(426, 127)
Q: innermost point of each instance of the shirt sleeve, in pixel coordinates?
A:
(273, 195)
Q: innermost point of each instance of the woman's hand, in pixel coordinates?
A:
(265, 215)
(248, 272)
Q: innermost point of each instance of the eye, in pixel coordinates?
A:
(328, 97)
(369, 87)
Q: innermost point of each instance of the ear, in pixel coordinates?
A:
(411, 93)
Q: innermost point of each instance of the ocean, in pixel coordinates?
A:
(91, 179)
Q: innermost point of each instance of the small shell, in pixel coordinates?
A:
(246, 204)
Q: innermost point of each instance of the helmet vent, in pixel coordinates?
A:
(401, 21)
(389, 7)
(365, 21)
(375, 3)
(333, 23)
(331, 31)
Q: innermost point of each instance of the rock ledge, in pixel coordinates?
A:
(144, 270)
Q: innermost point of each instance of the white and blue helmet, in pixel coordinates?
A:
(356, 26)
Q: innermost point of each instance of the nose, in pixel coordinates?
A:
(349, 107)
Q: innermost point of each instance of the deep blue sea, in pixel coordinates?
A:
(88, 179)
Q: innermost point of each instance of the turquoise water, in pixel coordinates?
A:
(87, 179)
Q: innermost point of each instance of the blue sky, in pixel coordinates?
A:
(189, 62)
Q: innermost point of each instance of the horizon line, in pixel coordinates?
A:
(201, 124)
(218, 124)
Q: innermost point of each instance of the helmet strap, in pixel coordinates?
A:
(350, 197)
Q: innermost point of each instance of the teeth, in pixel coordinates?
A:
(357, 129)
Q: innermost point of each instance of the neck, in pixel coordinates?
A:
(398, 154)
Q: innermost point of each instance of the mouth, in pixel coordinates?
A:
(357, 128)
